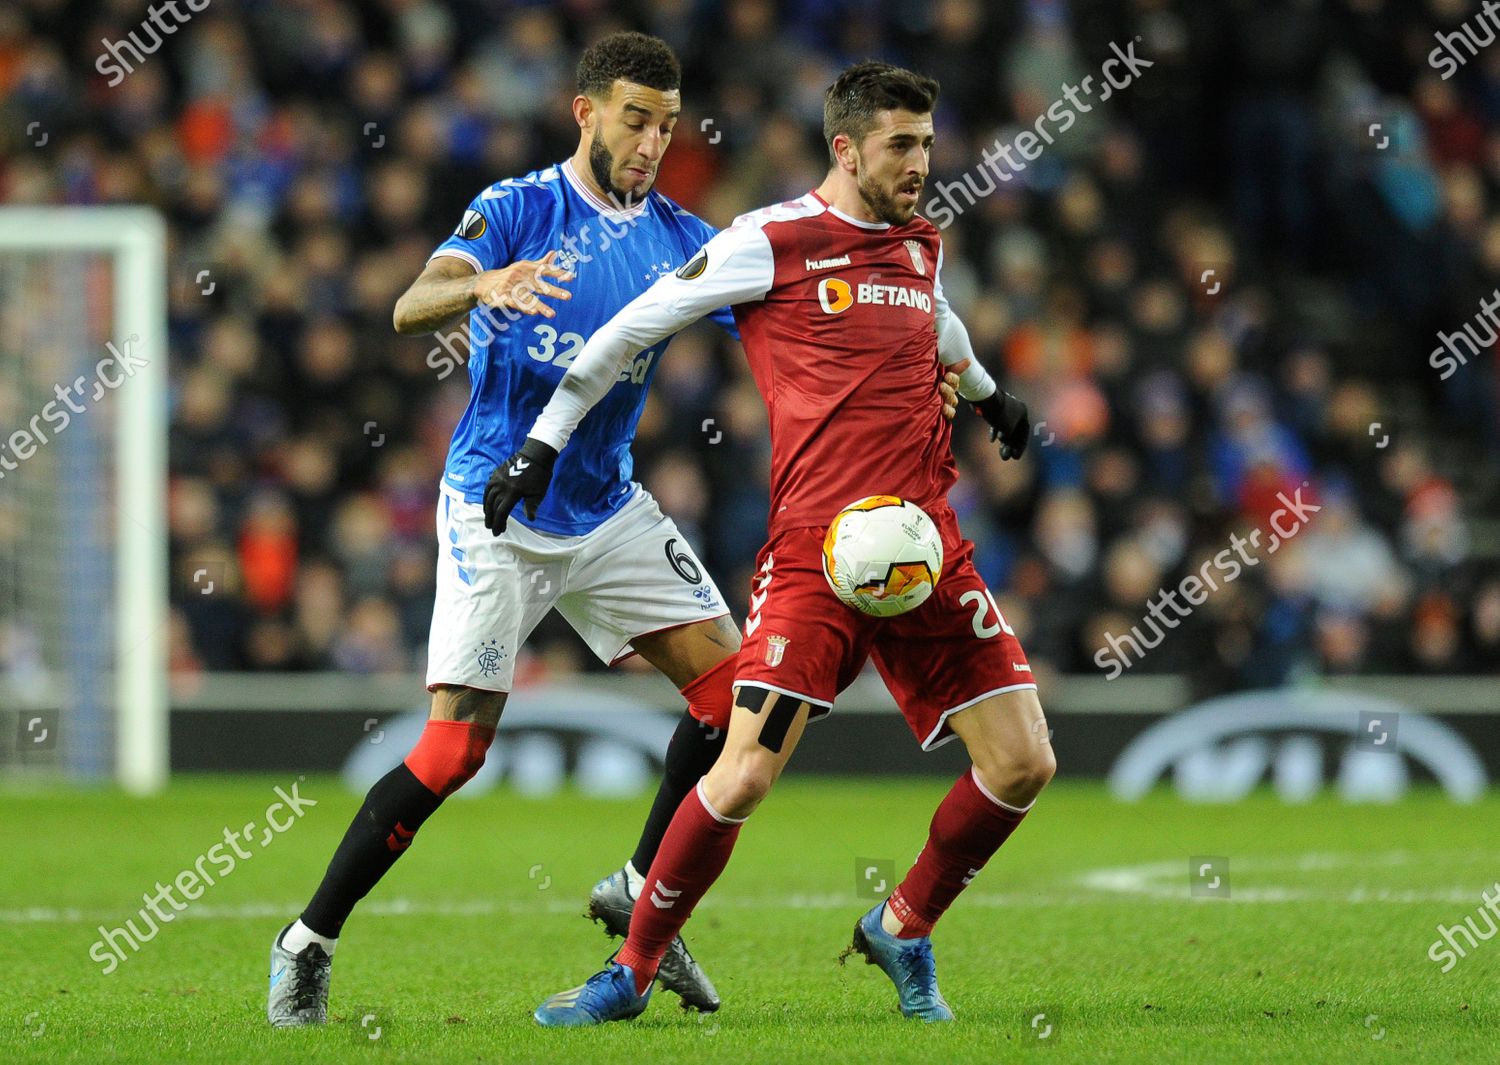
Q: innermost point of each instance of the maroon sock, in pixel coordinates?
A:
(692, 855)
(969, 826)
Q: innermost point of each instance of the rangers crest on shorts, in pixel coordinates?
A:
(775, 648)
(490, 656)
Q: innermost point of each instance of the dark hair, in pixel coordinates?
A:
(851, 102)
(635, 57)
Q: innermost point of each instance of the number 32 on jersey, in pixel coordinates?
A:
(560, 349)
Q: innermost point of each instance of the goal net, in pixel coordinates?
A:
(83, 424)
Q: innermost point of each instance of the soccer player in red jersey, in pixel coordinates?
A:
(839, 301)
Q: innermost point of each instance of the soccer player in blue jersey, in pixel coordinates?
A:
(539, 263)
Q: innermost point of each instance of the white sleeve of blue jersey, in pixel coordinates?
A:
(954, 346)
(736, 266)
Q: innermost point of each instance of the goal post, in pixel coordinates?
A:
(132, 668)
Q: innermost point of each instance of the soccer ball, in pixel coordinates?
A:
(882, 555)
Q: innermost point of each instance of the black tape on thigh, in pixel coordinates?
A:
(773, 732)
(752, 699)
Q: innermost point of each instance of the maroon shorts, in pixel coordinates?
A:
(947, 654)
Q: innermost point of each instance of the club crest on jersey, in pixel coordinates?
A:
(775, 649)
(914, 249)
(472, 227)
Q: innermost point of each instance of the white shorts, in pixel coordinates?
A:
(632, 575)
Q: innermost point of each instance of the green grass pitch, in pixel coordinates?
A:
(1082, 930)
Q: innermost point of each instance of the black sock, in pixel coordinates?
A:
(693, 750)
(393, 811)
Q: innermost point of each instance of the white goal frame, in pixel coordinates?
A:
(137, 238)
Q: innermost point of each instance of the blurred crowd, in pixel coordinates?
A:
(1222, 283)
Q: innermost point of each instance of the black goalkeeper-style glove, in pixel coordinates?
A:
(1009, 423)
(524, 476)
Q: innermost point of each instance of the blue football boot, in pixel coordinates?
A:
(909, 964)
(608, 995)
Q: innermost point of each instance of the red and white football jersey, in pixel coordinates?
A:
(844, 325)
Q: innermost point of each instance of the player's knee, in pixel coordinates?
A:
(449, 754)
(749, 784)
(1016, 777)
(452, 702)
(1043, 767)
(739, 783)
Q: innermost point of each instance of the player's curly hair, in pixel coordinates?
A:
(636, 57)
(857, 94)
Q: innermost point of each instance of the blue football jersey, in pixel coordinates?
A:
(516, 361)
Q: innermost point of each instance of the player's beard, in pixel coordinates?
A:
(884, 205)
(602, 166)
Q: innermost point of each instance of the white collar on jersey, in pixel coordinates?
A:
(596, 201)
(831, 209)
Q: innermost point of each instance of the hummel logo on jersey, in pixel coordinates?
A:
(827, 264)
(667, 899)
(753, 621)
(518, 467)
(972, 874)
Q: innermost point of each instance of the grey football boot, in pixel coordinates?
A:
(299, 985)
(612, 902)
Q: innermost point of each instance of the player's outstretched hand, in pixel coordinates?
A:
(948, 388)
(1009, 423)
(521, 285)
(523, 476)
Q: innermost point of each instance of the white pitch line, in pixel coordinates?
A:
(1165, 880)
(1149, 881)
(419, 908)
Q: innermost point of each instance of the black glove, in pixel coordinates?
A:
(1009, 423)
(524, 476)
